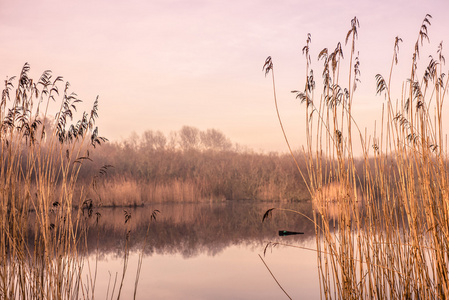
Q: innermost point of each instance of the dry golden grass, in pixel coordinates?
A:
(326, 200)
(396, 247)
(176, 190)
(194, 174)
(130, 192)
(39, 167)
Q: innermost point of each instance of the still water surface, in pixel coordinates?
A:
(206, 251)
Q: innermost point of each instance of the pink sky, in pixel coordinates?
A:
(163, 64)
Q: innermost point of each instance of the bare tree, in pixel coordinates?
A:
(132, 142)
(189, 138)
(153, 140)
(215, 140)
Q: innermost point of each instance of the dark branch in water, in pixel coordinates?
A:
(267, 214)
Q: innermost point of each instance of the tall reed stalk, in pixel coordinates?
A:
(390, 237)
(41, 236)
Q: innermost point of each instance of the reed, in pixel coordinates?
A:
(142, 175)
(41, 235)
(390, 238)
(125, 192)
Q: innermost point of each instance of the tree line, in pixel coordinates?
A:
(188, 165)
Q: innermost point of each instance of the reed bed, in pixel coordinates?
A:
(126, 192)
(390, 237)
(123, 192)
(41, 235)
(142, 175)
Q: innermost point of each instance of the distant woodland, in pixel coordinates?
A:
(188, 165)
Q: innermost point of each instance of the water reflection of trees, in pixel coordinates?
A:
(193, 229)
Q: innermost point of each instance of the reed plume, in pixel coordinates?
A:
(390, 236)
(41, 235)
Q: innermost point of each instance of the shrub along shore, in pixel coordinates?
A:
(149, 169)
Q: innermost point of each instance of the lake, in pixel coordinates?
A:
(205, 251)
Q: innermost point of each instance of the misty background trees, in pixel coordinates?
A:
(189, 165)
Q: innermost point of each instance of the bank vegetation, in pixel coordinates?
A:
(189, 165)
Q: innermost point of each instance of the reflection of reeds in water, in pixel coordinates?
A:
(40, 162)
(191, 229)
(397, 246)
